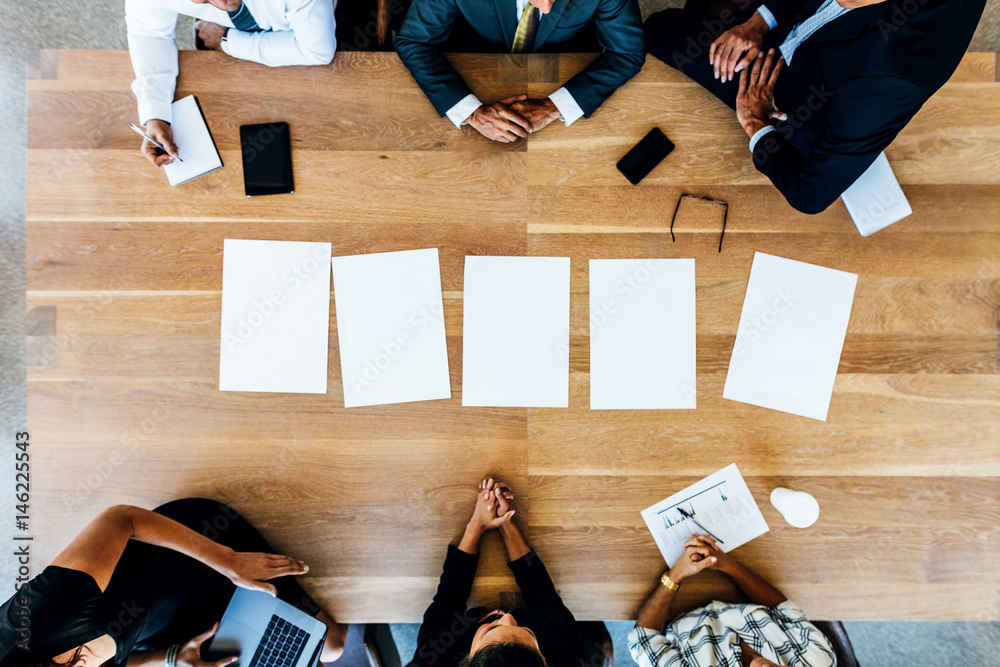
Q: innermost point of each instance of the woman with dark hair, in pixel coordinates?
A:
(542, 633)
(140, 587)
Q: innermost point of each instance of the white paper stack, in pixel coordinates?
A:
(875, 200)
(275, 316)
(642, 334)
(516, 332)
(390, 324)
(790, 336)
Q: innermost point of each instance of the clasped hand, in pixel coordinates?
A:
(493, 505)
(513, 118)
(700, 553)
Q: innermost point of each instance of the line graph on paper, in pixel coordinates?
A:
(721, 503)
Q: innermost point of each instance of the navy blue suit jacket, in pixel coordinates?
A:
(852, 86)
(433, 27)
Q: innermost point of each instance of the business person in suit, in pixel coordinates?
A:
(433, 27)
(821, 87)
(270, 32)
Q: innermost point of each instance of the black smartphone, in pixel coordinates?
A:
(645, 155)
(267, 159)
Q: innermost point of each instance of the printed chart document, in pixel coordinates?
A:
(275, 316)
(790, 336)
(642, 334)
(194, 143)
(390, 324)
(721, 503)
(516, 339)
(875, 200)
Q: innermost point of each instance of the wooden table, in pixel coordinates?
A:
(124, 277)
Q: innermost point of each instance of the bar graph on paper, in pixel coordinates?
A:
(721, 503)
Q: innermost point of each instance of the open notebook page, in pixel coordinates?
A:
(194, 143)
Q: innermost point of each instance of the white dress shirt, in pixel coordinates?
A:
(827, 12)
(295, 32)
(569, 110)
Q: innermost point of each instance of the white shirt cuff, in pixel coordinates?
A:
(150, 109)
(569, 110)
(461, 111)
(758, 134)
(224, 45)
(238, 44)
(768, 17)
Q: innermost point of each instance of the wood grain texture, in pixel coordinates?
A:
(124, 287)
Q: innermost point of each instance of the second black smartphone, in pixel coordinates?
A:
(645, 155)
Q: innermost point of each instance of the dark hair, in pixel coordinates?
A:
(49, 662)
(504, 654)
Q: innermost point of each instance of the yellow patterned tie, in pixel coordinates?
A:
(526, 27)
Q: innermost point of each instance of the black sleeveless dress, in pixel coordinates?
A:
(156, 597)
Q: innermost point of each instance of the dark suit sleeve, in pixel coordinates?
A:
(864, 118)
(619, 33)
(448, 605)
(420, 45)
(540, 594)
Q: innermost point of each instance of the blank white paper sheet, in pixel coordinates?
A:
(515, 350)
(275, 316)
(721, 503)
(642, 334)
(790, 336)
(390, 324)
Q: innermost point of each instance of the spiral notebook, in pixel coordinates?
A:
(194, 142)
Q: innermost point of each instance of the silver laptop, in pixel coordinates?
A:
(266, 632)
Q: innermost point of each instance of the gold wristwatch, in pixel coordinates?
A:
(668, 582)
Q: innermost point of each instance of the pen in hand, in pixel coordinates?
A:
(688, 515)
(151, 139)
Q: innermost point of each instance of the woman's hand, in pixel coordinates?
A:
(251, 570)
(190, 653)
(502, 495)
(486, 514)
(696, 557)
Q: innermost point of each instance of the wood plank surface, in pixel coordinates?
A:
(124, 285)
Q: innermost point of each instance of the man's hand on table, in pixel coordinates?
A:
(161, 131)
(734, 50)
(537, 112)
(499, 122)
(755, 99)
(211, 34)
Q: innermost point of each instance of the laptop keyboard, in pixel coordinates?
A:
(281, 645)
